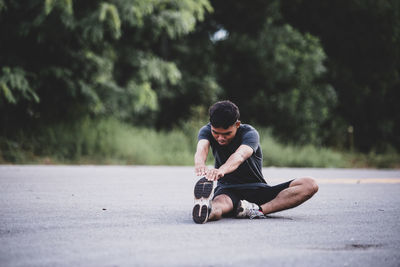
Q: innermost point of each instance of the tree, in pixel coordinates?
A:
(272, 71)
(362, 42)
(63, 60)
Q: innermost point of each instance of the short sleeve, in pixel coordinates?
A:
(205, 133)
(252, 139)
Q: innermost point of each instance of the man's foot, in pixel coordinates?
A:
(203, 194)
(249, 210)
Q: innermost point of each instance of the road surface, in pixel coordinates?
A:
(141, 216)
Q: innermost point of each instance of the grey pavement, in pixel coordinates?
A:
(141, 216)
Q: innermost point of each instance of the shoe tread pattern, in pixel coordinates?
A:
(203, 188)
(203, 192)
(200, 215)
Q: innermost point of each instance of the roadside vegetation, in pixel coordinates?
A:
(109, 141)
(125, 82)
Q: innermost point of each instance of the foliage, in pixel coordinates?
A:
(98, 141)
(314, 72)
(90, 57)
(109, 141)
(362, 42)
(112, 142)
(274, 76)
(15, 86)
(279, 155)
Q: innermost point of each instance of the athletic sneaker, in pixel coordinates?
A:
(203, 194)
(249, 210)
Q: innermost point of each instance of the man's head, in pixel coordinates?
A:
(224, 119)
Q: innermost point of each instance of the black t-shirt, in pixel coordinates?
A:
(249, 171)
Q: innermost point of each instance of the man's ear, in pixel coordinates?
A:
(237, 124)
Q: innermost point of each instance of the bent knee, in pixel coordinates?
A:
(310, 186)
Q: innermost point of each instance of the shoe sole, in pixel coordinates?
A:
(203, 193)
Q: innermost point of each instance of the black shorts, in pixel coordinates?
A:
(258, 195)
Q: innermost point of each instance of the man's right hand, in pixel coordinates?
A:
(201, 170)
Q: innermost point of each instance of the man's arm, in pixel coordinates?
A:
(200, 157)
(241, 154)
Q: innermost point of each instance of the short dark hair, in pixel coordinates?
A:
(224, 114)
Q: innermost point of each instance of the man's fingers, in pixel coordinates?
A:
(201, 171)
(212, 175)
(209, 175)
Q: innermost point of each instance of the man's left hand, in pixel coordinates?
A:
(214, 174)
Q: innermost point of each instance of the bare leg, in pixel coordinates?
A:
(298, 191)
(222, 204)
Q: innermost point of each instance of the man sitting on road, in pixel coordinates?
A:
(241, 189)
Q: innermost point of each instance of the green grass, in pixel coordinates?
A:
(103, 142)
(277, 154)
(108, 141)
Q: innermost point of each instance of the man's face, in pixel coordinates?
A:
(225, 136)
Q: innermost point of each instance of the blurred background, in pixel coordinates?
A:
(130, 81)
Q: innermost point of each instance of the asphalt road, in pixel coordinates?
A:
(141, 216)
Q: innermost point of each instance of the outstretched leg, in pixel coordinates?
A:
(222, 204)
(298, 192)
(203, 193)
(205, 207)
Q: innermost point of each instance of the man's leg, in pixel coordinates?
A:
(298, 191)
(206, 206)
(222, 204)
